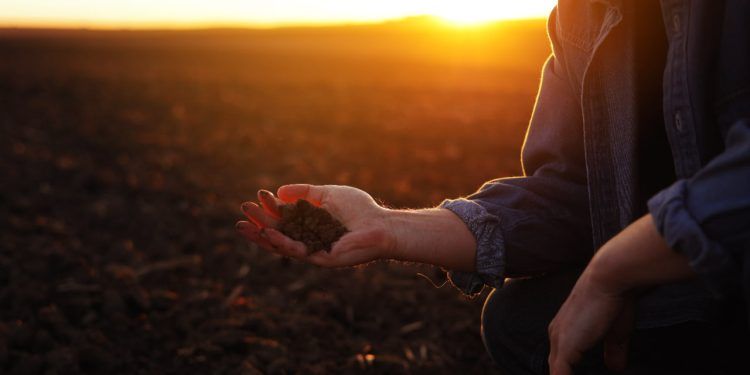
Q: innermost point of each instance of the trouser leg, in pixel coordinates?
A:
(514, 329)
(515, 320)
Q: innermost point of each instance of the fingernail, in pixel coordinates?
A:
(246, 206)
(241, 225)
(265, 193)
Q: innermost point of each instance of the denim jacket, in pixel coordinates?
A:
(579, 155)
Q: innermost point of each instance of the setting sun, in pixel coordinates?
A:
(481, 11)
(255, 13)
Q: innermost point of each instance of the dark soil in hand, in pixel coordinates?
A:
(311, 225)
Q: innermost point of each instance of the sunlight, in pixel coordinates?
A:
(476, 12)
(257, 13)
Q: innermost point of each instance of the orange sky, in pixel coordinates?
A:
(263, 13)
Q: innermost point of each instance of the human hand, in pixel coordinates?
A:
(369, 237)
(592, 311)
(600, 304)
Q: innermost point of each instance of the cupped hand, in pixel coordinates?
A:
(369, 237)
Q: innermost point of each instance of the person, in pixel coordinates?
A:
(624, 244)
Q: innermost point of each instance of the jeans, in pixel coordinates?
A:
(514, 330)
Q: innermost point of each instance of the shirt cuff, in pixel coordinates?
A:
(490, 261)
(683, 233)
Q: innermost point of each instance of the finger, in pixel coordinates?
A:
(552, 334)
(617, 340)
(350, 258)
(323, 259)
(560, 357)
(252, 233)
(292, 193)
(285, 245)
(258, 216)
(561, 363)
(270, 203)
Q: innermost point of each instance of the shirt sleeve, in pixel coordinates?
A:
(707, 217)
(538, 222)
(490, 261)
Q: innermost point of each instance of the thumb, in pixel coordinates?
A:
(617, 339)
(312, 193)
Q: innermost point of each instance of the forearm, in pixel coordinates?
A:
(433, 236)
(638, 257)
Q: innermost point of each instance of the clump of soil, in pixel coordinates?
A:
(311, 225)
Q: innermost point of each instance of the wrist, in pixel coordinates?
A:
(637, 258)
(432, 236)
(604, 271)
(395, 221)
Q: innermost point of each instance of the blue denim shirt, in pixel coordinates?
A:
(579, 157)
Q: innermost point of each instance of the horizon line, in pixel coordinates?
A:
(177, 26)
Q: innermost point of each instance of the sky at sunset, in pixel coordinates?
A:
(262, 13)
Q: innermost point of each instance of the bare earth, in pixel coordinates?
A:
(125, 155)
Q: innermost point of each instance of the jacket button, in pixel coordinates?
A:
(678, 121)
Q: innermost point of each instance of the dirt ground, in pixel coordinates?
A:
(125, 157)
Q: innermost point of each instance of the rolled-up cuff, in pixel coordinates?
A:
(683, 233)
(490, 261)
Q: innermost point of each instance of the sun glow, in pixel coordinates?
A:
(469, 13)
(256, 13)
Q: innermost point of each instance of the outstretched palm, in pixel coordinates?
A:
(367, 240)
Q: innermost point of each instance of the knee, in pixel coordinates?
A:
(491, 328)
(516, 344)
(515, 320)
